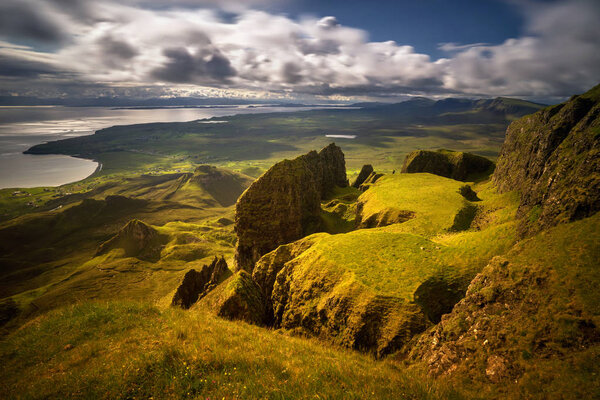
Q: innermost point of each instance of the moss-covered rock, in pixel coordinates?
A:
(197, 284)
(370, 180)
(450, 164)
(284, 204)
(137, 239)
(413, 199)
(364, 173)
(528, 317)
(238, 298)
(553, 158)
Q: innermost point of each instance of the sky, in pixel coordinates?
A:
(340, 50)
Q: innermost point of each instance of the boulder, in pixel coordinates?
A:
(450, 164)
(196, 284)
(364, 173)
(284, 204)
(553, 158)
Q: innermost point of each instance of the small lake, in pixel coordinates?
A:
(24, 127)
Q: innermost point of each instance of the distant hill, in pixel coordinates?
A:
(457, 110)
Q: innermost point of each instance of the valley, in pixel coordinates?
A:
(436, 268)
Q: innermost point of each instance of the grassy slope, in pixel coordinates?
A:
(397, 258)
(252, 143)
(537, 308)
(47, 258)
(131, 350)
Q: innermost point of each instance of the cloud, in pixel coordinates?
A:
(25, 19)
(453, 47)
(145, 44)
(206, 66)
(558, 56)
(328, 23)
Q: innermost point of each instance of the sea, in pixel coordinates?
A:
(24, 127)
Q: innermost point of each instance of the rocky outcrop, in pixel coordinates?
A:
(283, 205)
(370, 180)
(385, 217)
(310, 291)
(553, 158)
(343, 312)
(450, 164)
(137, 239)
(242, 299)
(197, 284)
(527, 308)
(266, 269)
(364, 173)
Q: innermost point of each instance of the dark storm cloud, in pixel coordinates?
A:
(18, 68)
(78, 8)
(112, 47)
(24, 19)
(291, 73)
(208, 66)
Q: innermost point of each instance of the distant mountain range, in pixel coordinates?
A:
(419, 104)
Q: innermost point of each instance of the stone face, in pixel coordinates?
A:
(283, 205)
(520, 310)
(370, 180)
(341, 311)
(137, 239)
(553, 158)
(450, 164)
(242, 299)
(266, 269)
(364, 173)
(196, 284)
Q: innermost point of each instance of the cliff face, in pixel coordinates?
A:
(528, 316)
(196, 284)
(553, 158)
(283, 205)
(450, 164)
(364, 173)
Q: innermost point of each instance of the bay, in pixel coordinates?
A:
(24, 127)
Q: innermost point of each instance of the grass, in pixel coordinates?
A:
(537, 307)
(132, 350)
(434, 199)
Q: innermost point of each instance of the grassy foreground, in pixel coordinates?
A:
(134, 350)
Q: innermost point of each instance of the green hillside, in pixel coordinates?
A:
(413, 285)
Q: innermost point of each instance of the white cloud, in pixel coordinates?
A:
(127, 45)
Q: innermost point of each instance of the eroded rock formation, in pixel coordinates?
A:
(242, 299)
(553, 158)
(364, 173)
(283, 205)
(450, 164)
(137, 239)
(196, 284)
